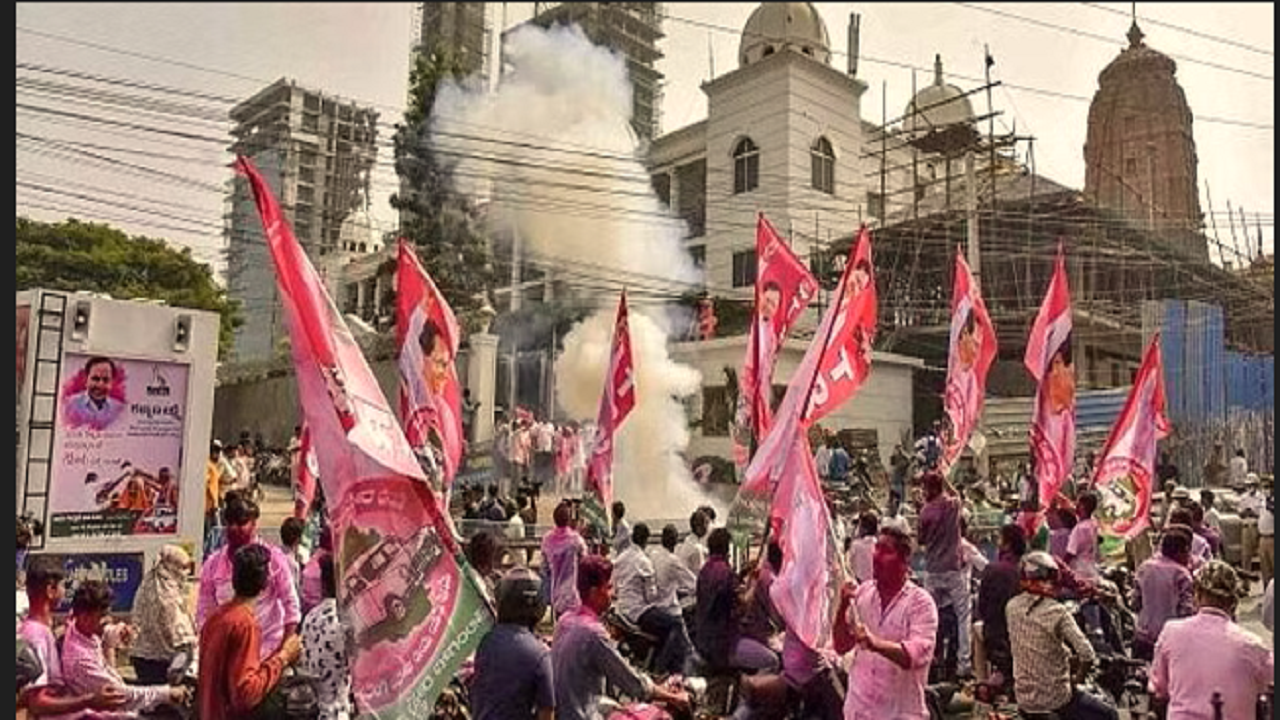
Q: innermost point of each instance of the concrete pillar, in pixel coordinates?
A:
(482, 379)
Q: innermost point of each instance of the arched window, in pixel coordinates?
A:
(823, 161)
(746, 166)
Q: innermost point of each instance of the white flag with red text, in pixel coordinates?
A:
(1126, 469)
(972, 350)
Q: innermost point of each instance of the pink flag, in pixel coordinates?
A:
(428, 335)
(414, 612)
(304, 482)
(1127, 465)
(616, 402)
(1049, 360)
(973, 349)
(845, 361)
(784, 288)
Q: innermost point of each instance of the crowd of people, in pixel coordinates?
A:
(920, 602)
(529, 451)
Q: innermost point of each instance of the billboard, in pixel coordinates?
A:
(117, 447)
(122, 571)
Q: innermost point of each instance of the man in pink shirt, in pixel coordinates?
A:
(276, 609)
(1162, 590)
(894, 626)
(562, 548)
(1209, 653)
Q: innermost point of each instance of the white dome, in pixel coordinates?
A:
(939, 105)
(357, 233)
(777, 26)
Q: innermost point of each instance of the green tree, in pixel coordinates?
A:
(95, 257)
(440, 223)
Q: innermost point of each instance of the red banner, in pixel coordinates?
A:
(414, 612)
(845, 359)
(616, 402)
(972, 351)
(427, 335)
(784, 288)
(304, 481)
(1126, 468)
(1049, 360)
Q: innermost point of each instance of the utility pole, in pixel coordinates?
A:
(1244, 230)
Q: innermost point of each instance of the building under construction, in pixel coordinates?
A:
(316, 151)
(459, 28)
(632, 29)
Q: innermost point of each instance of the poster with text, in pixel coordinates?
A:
(117, 447)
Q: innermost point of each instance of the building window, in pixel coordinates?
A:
(662, 187)
(875, 205)
(698, 253)
(746, 166)
(823, 161)
(744, 269)
(1130, 166)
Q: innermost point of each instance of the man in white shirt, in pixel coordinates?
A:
(822, 459)
(862, 549)
(1252, 504)
(670, 572)
(693, 551)
(639, 600)
(1239, 468)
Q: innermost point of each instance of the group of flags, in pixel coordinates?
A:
(388, 483)
(782, 475)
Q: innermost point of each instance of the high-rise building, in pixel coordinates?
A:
(461, 28)
(632, 29)
(1140, 153)
(316, 151)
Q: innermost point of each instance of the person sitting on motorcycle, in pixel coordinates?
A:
(894, 623)
(718, 631)
(1208, 654)
(513, 677)
(640, 602)
(1043, 635)
(1162, 590)
(584, 657)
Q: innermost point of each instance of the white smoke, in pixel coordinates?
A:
(553, 148)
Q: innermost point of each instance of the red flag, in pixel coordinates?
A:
(427, 335)
(1049, 359)
(616, 402)
(845, 361)
(973, 349)
(1127, 465)
(784, 288)
(414, 613)
(304, 481)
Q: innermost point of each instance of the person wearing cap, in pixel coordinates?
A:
(1252, 502)
(513, 675)
(1043, 636)
(1210, 654)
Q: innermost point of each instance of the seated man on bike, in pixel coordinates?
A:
(1208, 654)
(583, 657)
(719, 635)
(1042, 635)
(656, 613)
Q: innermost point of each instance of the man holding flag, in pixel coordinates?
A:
(616, 403)
(416, 612)
(1049, 360)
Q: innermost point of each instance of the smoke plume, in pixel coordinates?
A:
(553, 149)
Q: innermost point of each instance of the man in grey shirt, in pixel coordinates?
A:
(583, 656)
(944, 573)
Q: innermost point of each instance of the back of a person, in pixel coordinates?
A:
(940, 534)
(561, 550)
(713, 615)
(1209, 653)
(1082, 545)
(579, 683)
(1000, 584)
(224, 635)
(1039, 658)
(860, 553)
(1162, 584)
(504, 689)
